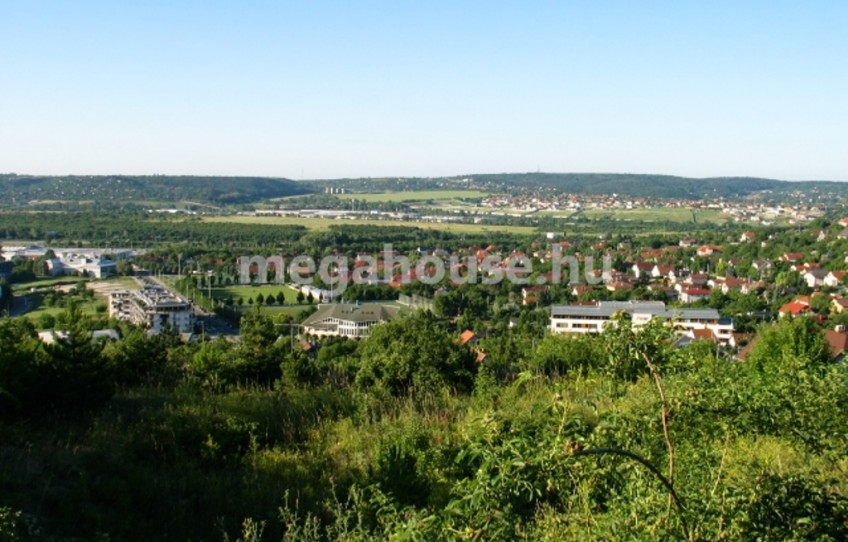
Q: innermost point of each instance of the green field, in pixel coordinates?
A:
(422, 195)
(38, 309)
(246, 292)
(321, 224)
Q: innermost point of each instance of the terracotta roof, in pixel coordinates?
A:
(745, 352)
(794, 308)
(838, 342)
(696, 291)
(703, 334)
(466, 337)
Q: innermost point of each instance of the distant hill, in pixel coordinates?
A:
(627, 184)
(655, 186)
(127, 189)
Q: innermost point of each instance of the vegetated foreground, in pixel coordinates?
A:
(405, 436)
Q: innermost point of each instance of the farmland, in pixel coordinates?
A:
(417, 196)
(323, 224)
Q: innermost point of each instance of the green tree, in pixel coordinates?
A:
(413, 354)
(19, 378)
(73, 372)
(259, 359)
(792, 344)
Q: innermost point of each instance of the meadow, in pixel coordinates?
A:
(323, 224)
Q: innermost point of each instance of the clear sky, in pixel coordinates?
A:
(314, 89)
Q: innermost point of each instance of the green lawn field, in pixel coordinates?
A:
(98, 305)
(246, 292)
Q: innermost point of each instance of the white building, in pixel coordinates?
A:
(594, 318)
(92, 262)
(153, 307)
(353, 321)
(90, 265)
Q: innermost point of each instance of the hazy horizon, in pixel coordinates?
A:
(392, 177)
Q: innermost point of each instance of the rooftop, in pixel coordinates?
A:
(605, 309)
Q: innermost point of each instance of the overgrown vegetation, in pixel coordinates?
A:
(403, 436)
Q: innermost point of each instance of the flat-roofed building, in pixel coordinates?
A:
(154, 307)
(594, 318)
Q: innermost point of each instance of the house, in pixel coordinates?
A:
(839, 304)
(641, 269)
(747, 237)
(792, 257)
(531, 294)
(580, 289)
(793, 308)
(593, 318)
(468, 337)
(837, 339)
(691, 295)
(619, 286)
(815, 277)
(834, 278)
(761, 265)
(843, 234)
(664, 271)
(708, 250)
(697, 280)
(690, 336)
(843, 222)
(733, 284)
(352, 321)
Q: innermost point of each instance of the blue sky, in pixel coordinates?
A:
(332, 89)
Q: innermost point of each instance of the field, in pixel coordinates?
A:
(320, 224)
(246, 292)
(48, 283)
(38, 309)
(423, 195)
(659, 214)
